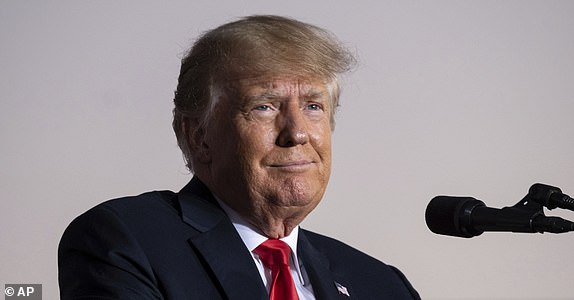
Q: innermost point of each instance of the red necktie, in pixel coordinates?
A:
(275, 256)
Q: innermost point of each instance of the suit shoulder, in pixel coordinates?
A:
(109, 249)
(147, 201)
(132, 213)
(140, 206)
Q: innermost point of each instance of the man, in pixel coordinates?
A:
(254, 111)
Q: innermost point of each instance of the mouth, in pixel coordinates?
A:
(293, 166)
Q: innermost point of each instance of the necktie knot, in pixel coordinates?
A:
(274, 255)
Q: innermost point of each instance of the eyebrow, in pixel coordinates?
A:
(271, 94)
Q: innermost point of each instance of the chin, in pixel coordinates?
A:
(292, 189)
(300, 202)
(299, 195)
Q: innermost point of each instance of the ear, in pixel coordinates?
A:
(197, 143)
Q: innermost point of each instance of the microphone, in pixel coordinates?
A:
(468, 217)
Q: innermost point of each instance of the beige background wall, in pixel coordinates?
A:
(451, 97)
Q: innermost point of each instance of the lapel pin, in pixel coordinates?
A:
(342, 290)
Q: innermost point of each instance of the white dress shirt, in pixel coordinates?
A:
(252, 238)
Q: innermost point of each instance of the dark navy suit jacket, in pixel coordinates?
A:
(166, 245)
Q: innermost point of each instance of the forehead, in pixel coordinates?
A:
(280, 87)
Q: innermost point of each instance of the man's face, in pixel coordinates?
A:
(269, 146)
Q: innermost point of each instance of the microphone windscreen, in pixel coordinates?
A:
(444, 214)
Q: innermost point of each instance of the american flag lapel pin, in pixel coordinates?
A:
(342, 290)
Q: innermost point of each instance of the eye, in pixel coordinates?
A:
(263, 107)
(314, 106)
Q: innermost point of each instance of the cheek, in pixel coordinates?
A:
(255, 142)
(321, 138)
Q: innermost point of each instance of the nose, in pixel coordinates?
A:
(292, 127)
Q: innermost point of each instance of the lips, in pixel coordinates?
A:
(292, 166)
(294, 163)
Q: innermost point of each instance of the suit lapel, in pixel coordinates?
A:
(326, 284)
(219, 244)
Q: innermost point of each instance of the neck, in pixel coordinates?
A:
(273, 228)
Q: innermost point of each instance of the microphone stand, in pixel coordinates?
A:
(532, 205)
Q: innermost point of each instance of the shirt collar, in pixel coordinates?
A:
(253, 237)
